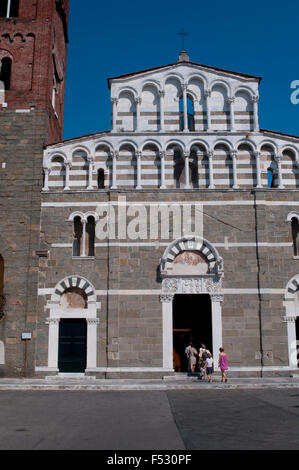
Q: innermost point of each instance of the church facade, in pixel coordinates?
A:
(178, 224)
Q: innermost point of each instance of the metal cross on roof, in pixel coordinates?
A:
(183, 33)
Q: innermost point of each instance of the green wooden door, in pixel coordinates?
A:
(72, 345)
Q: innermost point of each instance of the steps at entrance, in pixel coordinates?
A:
(70, 376)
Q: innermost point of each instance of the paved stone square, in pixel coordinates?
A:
(154, 420)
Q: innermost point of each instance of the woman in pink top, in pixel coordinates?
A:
(223, 364)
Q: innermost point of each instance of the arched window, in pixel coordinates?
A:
(9, 8)
(5, 72)
(101, 179)
(190, 111)
(78, 232)
(90, 238)
(295, 232)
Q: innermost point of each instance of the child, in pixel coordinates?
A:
(209, 366)
(223, 364)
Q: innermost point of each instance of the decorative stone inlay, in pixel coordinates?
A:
(200, 285)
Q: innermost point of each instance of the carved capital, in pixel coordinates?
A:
(162, 93)
(231, 99)
(138, 154)
(114, 100)
(52, 321)
(255, 98)
(208, 93)
(166, 298)
(162, 154)
(233, 153)
(210, 153)
(138, 100)
(93, 321)
(289, 319)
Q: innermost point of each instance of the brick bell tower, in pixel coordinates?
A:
(33, 47)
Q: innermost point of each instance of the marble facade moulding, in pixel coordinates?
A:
(211, 285)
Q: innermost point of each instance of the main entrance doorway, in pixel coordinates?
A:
(297, 339)
(192, 321)
(72, 345)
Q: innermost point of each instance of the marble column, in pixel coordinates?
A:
(167, 328)
(68, 166)
(235, 175)
(90, 170)
(138, 104)
(162, 122)
(208, 109)
(216, 326)
(231, 102)
(114, 113)
(211, 176)
(187, 170)
(258, 169)
(46, 182)
(255, 113)
(138, 160)
(162, 160)
(114, 156)
(278, 159)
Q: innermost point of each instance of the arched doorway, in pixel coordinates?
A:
(291, 304)
(73, 321)
(192, 321)
(191, 297)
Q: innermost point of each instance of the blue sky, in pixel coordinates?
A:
(114, 38)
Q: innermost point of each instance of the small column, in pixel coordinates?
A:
(114, 169)
(162, 159)
(162, 125)
(46, 183)
(114, 113)
(231, 102)
(68, 166)
(278, 158)
(184, 86)
(8, 9)
(216, 326)
(138, 103)
(138, 158)
(256, 126)
(53, 342)
(235, 175)
(187, 171)
(211, 176)
(258, 170)
(91, 362)
(83, 246)
(290, 320)
(208, 106)
(90, 169)
(167, 328)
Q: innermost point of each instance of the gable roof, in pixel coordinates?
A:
(239, 74)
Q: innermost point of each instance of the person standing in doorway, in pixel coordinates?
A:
(191, 354)
(223, 364)
(209, 366)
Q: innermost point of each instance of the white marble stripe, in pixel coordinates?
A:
(238, 291)
(158, 243)
(162, 203)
